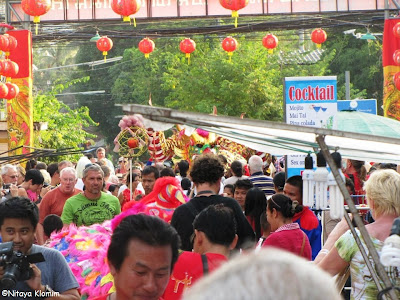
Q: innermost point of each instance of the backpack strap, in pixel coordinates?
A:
(205, 264)
(192, 208)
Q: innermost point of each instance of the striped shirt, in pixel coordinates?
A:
(263, 182)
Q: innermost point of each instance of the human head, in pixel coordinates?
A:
(149, 176)
(93, 179)
(167, 172)
(186, 184)
(35, 178)
(294, 188)
(183, 166)
(241, 187)
(18, 220)
(135, 181)
(68, 179)
(63, 164)
(52, 223)
(106, 171)
(207, 168)
(218, 224)
(21, 174)
(383, 192)
(41, 166)
(358, 166)
(228, 190)
(260, 276)
(100, 153)
(255, 202)
(255, 164)
(9, 174)
(141, 255)
(46, 176)
(52, 169)
(113, 189)
(237, 168)
(280, 208)
(279, 182)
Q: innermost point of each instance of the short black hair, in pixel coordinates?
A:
(186, 184)
(218, 223)
(52, 223)
(151, 169)
(35, 175)
(237, 168)
(52, 169)
(207, 168)
(167, 172)
(245, 184)
(41, 166)
(19, 208)
(148, 229)
(183, 166)
(279, 180)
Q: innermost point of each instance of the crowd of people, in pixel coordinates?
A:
(235, 230)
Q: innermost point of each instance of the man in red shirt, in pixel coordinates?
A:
(53, 202)
(213, 239)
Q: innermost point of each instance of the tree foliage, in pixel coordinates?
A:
(66, 126)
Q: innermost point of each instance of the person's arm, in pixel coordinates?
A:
(22, 193)
(336, 233)
(333, 263)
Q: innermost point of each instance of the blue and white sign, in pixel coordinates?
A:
(362, 105)
(309, 101)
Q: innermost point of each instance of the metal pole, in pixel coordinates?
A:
(347, 79)
(373, 254)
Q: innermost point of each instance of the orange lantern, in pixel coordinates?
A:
(36, 8)
(234, 6)
(11, 45)
(396, 57)
(13, 90)
(270, 42)
(3, 90)
(229, 44)
(11, 69)
(146, 46)
(187, 46)
(318, 36)
(125, 8)
(4, 42)
(104, 44)
(396, 30)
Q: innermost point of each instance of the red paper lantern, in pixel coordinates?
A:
(11, 45)
(132, 143)
(13, 90)
(146, 46)
(187, 46)
(104, 44)
(318, 36)
(3, 90)
(234, 6)
(4, 66)
(125, 8)
(36, 8)
(396, 57)
(4, 42)
(270, 42)
(11, 69)
(396, 30)
(229, 44)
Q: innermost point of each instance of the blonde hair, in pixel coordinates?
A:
(383, 189)
(268, 274)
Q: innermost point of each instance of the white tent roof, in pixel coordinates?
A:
(274, 137)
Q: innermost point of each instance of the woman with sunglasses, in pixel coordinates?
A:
(285, 234)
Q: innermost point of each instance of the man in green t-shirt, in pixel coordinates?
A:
(92, 205)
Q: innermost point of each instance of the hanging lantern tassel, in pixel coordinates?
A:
(134, 22)
(230, 56)
(188, 57)
(235, 15)
(105, 55)
(36, 21)
(126, 19)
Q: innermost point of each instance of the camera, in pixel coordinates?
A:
(16, 265)
(6, 188)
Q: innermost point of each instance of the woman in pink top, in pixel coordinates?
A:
(286, 234)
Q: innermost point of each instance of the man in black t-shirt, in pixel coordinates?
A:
(206, 174)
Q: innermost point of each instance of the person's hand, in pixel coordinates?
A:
(35, 283)
(44, 190)
(13, 190)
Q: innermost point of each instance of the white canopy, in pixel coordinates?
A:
(274, 137)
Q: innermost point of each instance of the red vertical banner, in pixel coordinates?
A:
(20, 109)
(391, 95)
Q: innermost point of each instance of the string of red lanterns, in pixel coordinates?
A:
(125, 8)
(396, 56)
(8, 43)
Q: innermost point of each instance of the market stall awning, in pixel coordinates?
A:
(274, 137)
